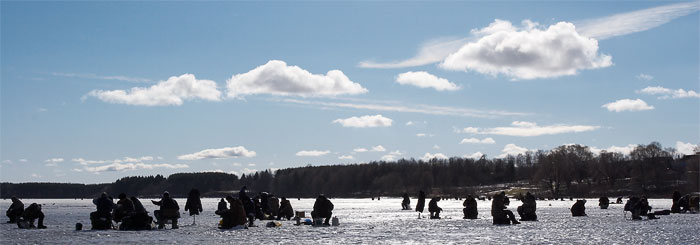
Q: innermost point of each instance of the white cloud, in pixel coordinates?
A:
(391, 156)
(312, 153)
(619, 149)
(7, 161)
(528, 129)
(468, 130)
(428, 156)
(277, 78)
(23, 160)
(236, 164)
(419, 108)
(627, 105)
(685, 148)
(436, 147)
(248, 171)
(220, 153)
(528, 52)
(360, 150)
(41, 109)
(53, 162)
(600, 28)
(475, 155)
(35, 175)
(378, 148)
(646, 77)
(669, 93)
(251, 164)
(365, 121)
(424, 135)
(411, 123)
(173, 91)
(513, 150)
(424, 79)
(93, 76)
(635, 21)
(129, 166)
(477, 141)
(346, 157)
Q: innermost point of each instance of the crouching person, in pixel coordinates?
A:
(30, 214)
(470, 210)
(102, 218)
(528, 210)
(233, 217)
(15, 211)
(501, 215)
(322, 209)
(286, 210)
(169, 210)
(434, 209)
(579, 208)
(138, 219)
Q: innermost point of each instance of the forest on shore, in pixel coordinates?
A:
(565, 171)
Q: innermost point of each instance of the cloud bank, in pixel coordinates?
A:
(277, 78)
(529, 129)
(220, 153)
(173, 91)
(512, 150)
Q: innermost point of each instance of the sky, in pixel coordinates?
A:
(95, 91)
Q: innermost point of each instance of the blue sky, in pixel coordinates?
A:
(94, 91)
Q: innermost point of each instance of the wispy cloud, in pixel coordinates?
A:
(431, 52)
(527, 129)
(114, 167)
(645, 77)
(93, 76)
(346, 157)
(627, 105)
(412, 108)
(220, 153)
(635, 21)
(478, 141)
(667, 93)
(312, 153)
(391, 156)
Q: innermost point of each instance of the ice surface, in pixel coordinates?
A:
(366, 221)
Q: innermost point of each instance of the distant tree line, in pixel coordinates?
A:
(568, 170)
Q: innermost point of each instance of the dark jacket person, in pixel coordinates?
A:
(169, 210)
(15, 211)
(322, 209)
(194, 203)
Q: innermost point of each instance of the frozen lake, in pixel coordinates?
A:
(367, 221)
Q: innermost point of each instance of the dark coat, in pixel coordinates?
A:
(433, 205)
(193, 204)
(167, 203)
(323, 207)
(421, 202)
(104, 204)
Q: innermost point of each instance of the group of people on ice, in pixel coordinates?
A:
(130, 214)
